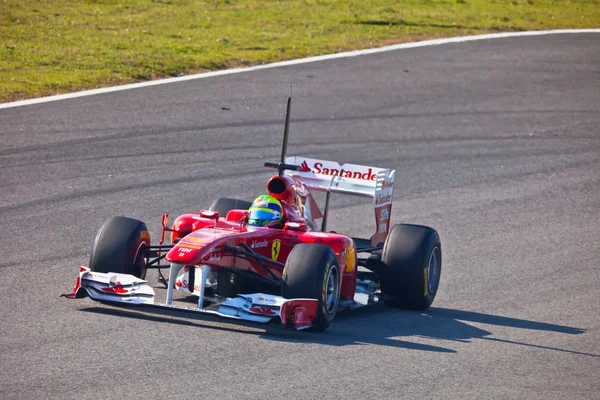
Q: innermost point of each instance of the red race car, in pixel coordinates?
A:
(270, 259)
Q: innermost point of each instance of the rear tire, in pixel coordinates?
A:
(411, 266)
(119, 247)
(312, 271)
(224, 205)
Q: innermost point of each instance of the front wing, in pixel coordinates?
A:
(258, 307)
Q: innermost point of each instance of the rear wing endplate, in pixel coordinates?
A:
(351, 179)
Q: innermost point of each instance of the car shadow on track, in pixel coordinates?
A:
(375, 324)
(380, 325)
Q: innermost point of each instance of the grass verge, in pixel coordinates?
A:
(57, 46)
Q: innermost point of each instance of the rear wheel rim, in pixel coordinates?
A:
(332, 286)
(434, 268)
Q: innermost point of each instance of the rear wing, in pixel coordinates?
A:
(351, 179)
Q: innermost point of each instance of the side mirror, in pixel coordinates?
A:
(295, 226)
(210, 214)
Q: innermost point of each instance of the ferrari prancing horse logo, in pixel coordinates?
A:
(275, 249)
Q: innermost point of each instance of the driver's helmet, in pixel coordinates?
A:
(265, 210)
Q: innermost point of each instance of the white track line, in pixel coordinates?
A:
(394, 47)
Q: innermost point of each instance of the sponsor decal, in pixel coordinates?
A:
(386, 184)
(214, 257)
(267, 300)
(95, 277)
(275, 249)
(183, 284)
(262, 311)
(383, 227)
(385, 214)
(185, 250)
(257, 244)
(318, 168)
(304, 167)
(382, 199)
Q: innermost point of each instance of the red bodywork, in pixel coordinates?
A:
(200, 240)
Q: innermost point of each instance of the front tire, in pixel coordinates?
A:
(411, 267)
(312, 271)
(119, 247)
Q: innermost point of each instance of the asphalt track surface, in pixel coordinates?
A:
(496, 144)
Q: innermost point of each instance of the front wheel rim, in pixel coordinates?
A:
(434, 269)
(332, 286)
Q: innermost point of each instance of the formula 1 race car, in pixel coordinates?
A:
(296, 272)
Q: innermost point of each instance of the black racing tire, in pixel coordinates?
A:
(411, 265)
(119, 247)
(223, 205)
(312, 271)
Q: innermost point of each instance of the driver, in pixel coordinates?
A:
(265, 211)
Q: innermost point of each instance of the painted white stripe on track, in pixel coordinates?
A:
(435, 42)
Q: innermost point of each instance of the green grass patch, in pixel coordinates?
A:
(51, 47)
